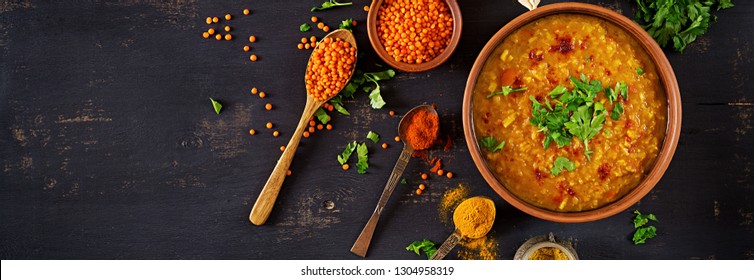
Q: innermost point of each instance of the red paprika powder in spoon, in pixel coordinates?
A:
(422, 130)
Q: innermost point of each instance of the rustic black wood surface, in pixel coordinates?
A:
(110, 149)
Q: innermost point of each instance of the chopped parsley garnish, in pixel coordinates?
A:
(643, 232)
(371, 135)
(337, 102)
(679, 22)
(403, 181)
(560, 164)
(363, 154)
(491, 144)
(505, 90)
(426, 246)
(304, 27)
(343, 157)
(375, 98)
(216, 105)
(639, 71)
(359, 78)
(566, 114)
(330, 4)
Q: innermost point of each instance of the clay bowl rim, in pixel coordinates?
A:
(455, 11)
(669, 82)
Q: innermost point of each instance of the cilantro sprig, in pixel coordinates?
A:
(428, 247)
(346, 24)
(304, 27)
(505, 91)
(491, 144)
(643, 232)
(330, 4)
(560, 164)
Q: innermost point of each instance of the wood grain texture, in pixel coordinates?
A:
(110, 149)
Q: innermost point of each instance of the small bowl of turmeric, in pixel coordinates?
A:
(414, 36)
(546, 247)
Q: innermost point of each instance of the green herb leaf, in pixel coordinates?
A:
(304, 27)
(617, 111)
(216, 105)
(375, 98)
(561, 163)
(403, 181)
(371, 135)
(343, 157)
(642, 234)
(623, 89)
(337, 102)
(643, 219)
(363, 153)
(505, 90)
(679, 22)
(330, 4)
(380, 76)
(491, 144)
(426, 246)
(346, 24)
(639, 71)
(322, 115)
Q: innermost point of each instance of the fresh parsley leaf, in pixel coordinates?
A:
(343, 157)
(505, 90)
(557, 91)
(375, 98)
(380, 76)
(216, 105)
(643, 219)
(491, 144)
(623, 89)
(330, 4)
(679, 21)
(617, 111)
(426, 246)
(322, 115)
(561, 163)
(337, 102)
(642, 234)
(347, 24)
(403, 181)
(304, 27)
(585, 126)
(371, 135)
(639, 71)
(363, 154)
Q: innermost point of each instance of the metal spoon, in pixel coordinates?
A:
(361, 245)
(457, 235)
(266, 200)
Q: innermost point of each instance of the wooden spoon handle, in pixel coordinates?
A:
(447, 245)
(266, 200)
(361, 245)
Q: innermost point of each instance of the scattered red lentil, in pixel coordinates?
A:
(304, 40)
(326, 28)
(418, 192)
(215, 19)
(253, 57)
(228, 37)
(307, 46)
(328, 127)
(226, 28)
(440, 172)
(449, 175)
(252, 132)
(424, 176)
(289, 172)
(321, 25)
(282, 149)
(246, 48)
(262, 95)
(422, 186)
(219, 37)
(276, 133)
(397, 139)
(306, 134)
(345, 166)
(414, 31)
(269, 125)
(314, 19)
(268, 106)
(252, 39)
(209, 20)
(384, 145)
(312, 123)
(227, 17)
(366, 8)
(311, 129)
(300, 46)
(205, 34)
(319, 127)
(246, 12)
(392, 113)
(211, 31)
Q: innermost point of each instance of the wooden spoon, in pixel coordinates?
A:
(457, 235)
(266, 200)
(361, 245)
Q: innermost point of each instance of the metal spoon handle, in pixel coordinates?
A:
(447, 245)
(361, 245)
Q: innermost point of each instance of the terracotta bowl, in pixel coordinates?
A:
(407, 67)
(667, 78)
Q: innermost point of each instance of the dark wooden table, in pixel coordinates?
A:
(110, 149)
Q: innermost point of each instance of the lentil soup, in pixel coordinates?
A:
(532, 62)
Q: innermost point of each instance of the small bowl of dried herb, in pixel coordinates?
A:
(546, 247)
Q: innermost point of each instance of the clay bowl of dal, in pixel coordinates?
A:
(566, 45)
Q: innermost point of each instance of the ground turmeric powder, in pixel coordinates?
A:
(485, 248)
(548, 253)
(474, 216)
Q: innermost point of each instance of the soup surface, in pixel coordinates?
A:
(527, 68)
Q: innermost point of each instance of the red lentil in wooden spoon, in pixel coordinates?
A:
(330, 67)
